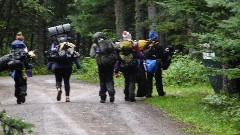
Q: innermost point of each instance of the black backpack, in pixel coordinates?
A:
(167, 58)
(63, 53)
(105, 53)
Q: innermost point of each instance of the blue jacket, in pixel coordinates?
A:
(18, 44)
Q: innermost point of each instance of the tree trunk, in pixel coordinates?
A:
(190, 23)
(139, 17)
(41, 42)
(231, 86)
(119, 13)
(152, 14)
(78, 40)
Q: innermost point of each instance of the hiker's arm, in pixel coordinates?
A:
(77, 64)
(139, 53)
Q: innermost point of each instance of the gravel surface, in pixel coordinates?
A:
(84, 115)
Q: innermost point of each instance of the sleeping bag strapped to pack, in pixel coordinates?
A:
(142, 44)
(126, 54)
(4, 62)
(105, 52)
(64, 52)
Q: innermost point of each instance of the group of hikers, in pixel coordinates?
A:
(139, 61)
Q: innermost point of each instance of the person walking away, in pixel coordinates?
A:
(63, 70)
(18, 66)
(104, 52)
(142, 88)
(127, 64)
(154, 51)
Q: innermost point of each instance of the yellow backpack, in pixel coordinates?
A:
(142, 44)
(126, 50)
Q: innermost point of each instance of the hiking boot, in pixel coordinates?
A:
(67, 99)
(132, 100)
(19, 100)
(59, 95)
(22, 97)
(127, 99)
(103, 99)
(112, 99)
(162, 94)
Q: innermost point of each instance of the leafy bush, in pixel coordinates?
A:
(184, 71)
(88, 71)
(228, 106)
(12, 126)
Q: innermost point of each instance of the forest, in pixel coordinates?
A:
(185, 25)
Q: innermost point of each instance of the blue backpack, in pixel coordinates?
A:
(150, 65)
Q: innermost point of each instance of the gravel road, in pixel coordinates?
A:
(84, 115)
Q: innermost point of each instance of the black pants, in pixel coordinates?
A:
(106, 80)
(65, 74)
(20, 83)
(130, 80)
(141, 81)
(158, 79)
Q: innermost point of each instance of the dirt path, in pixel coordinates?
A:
(84, 115)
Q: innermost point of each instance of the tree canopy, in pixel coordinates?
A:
(181, 24)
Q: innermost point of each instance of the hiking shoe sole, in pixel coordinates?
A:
(112, 99)
(102, 101)
(59, 95)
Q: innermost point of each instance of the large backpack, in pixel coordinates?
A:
(105, 52)
(167, 58)
(4, 62)
(18, 50)
(64, 52)
(126, 54)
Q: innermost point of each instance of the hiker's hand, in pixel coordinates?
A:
(116, 75)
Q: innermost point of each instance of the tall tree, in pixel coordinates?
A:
(152, 14)
(120, 17)
(41, 37)
(139, 17)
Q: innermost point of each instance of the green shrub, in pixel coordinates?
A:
(13, 126)
(88, 71)
(184, 71)
(227, 105)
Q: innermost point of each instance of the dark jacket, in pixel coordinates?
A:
(63, 65)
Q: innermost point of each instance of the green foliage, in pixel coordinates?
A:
(224, 39)
(184, 71)
(41, 71)
(14, 126)
(228, 106)
(185, 104)
(92, 16)
(88, 71)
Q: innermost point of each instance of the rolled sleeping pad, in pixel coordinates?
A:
(60, 29)
(4, 62)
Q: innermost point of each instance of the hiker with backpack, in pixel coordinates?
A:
(104, 52)
(142, 88)
(63, 69)
(127, 64)
(61, 57)
(153, 63)
(19, 66)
